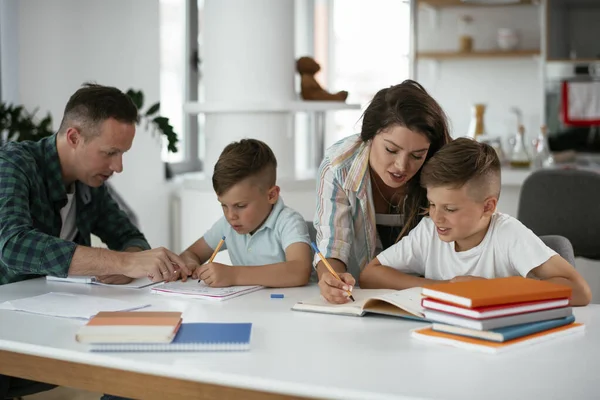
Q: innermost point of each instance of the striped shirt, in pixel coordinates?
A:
(345, 214)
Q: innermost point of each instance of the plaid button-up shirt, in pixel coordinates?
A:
(32, 194)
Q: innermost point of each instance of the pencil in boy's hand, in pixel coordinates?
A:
(329, 267)
(214, 254)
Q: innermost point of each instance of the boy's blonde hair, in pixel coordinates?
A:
(464, 161)
(244, 159)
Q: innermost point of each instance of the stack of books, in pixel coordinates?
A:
(494, 315)
(160, 331)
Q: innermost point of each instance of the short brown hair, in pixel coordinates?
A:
(464, 161)
(92, 104)
(244, 159)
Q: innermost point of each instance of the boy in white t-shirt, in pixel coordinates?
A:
(463, 237)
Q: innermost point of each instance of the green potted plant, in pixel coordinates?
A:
(155, 122)
(17, 124)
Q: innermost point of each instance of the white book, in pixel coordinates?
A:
(137, 283)
(199, 290)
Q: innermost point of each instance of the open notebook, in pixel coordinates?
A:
(398, 303)
(199, 290)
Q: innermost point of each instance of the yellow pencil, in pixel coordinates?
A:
(316, 249)
(214, 254)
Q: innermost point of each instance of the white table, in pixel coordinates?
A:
(293, 355)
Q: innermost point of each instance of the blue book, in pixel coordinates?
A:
(508, 332)
(196, 336)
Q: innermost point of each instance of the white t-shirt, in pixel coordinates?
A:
(509, 248)
(68, 231)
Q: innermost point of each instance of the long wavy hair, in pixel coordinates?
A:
(408, 105)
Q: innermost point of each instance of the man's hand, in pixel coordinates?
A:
(216, 274)
(114, 279)
(465, 278)
(157, 264)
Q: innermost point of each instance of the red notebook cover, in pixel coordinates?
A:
(493, 311)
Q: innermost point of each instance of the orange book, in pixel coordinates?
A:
(153, 318)
(130, 327)
(494, 292)
(469, 343)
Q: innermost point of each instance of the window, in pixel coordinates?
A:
(368, 46)
(179, 65)
(362, 46)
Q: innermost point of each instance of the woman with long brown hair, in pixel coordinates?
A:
(369, 194)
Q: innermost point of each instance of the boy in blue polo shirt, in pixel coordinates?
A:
(268, 242)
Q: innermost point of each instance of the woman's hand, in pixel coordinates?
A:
(334, 290)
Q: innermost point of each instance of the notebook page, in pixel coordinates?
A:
(319, 304)
(67, 305)
(193, 288)
(407, 299)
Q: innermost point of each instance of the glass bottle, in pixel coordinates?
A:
(543, 157)
(477, 125)
(519, 157)
(465, 39)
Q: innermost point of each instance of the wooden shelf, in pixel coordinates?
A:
(574, 61)
(460, 3)
(480, 54)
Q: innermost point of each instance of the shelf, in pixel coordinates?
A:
(460, 3)
(455, 55)
(282, 107)
(574, 61)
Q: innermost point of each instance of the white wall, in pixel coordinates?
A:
(9, 59)
(63, 43)
(500, 83)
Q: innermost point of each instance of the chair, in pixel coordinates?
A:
(312, 232)
(561, 245)
(564, 202)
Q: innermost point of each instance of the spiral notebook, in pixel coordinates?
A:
(195, 336)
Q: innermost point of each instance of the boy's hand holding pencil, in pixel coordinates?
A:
(335, 287)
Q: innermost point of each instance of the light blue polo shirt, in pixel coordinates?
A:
(267, 245)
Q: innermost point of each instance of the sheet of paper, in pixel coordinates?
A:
(67, 305)
(193, 288)
(135, 284)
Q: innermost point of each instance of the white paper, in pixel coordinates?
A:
(137, 283)
(67, 305)
(193, 288)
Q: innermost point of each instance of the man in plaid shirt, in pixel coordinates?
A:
(52, 197)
